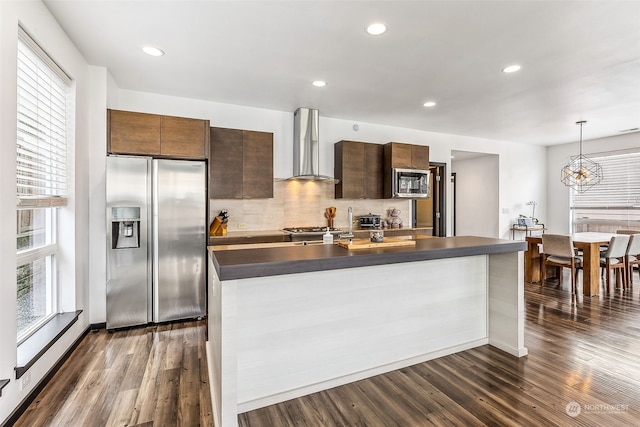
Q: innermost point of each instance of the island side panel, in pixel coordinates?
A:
(300, 333)
(506, 302)
(221, 349)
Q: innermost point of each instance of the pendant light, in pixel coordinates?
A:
(581, 173)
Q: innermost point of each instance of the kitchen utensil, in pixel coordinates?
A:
(330, 214)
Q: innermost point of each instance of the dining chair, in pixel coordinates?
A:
(632, 257)
(614, 259)
(558, 251)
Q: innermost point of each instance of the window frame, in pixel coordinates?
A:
(51, 139)
(47, 252)
(619, 208)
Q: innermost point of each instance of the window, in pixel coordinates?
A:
(614, 203)
(41, 179)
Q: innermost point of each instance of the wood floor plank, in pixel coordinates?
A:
(166, 412)
(147, 398)
(122, 408)
(189, 388)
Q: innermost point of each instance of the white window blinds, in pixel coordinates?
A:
(42, 127)
(620, 185)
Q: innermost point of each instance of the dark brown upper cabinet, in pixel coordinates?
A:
(409, 156)
(182, 137)
(145, 134)
(133, 133)
(240, 164)
(359, 168)
(225, 164)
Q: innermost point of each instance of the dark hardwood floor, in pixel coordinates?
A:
(150, 376)
(582, 350)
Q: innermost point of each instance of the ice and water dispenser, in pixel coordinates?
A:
(125, 227)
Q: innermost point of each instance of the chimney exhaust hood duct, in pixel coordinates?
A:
(306, 147)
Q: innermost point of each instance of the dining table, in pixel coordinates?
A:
(588, 242)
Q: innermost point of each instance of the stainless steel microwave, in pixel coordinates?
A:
(410, 183)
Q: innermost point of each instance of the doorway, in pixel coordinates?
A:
(477, 186)
(431, 212)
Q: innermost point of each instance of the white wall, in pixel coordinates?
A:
(97, 222)
(74, 219)
(477, 185)
(558, 156)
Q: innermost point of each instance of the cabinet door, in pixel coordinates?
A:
(419, 157)
(257, 155)
(182, 137)
(349, 169)
(373, 171)
(225, 164)
(133, 133)
(401, 156)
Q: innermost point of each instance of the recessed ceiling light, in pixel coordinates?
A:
(511, 69)
(429, 104)
(629, 130)
(319, 83)
(153, 51)
(376, 29)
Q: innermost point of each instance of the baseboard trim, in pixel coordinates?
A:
(98, 326)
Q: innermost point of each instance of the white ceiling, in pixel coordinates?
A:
(580, 60)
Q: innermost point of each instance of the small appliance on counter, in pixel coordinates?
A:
(370, 221)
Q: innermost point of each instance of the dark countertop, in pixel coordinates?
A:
(262, 262)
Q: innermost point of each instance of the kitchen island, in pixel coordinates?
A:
(289, 321)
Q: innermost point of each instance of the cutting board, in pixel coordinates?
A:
(367, 244)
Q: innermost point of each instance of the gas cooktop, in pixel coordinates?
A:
(308, 230)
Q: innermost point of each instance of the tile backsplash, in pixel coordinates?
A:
(300, 204)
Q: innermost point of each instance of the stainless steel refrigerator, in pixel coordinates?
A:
(156, 248)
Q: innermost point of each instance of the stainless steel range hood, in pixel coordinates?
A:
(306, 148)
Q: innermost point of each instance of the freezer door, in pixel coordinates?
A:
(128, 194)
(179, 199)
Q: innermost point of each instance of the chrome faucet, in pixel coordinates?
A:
(349, 234)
